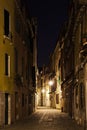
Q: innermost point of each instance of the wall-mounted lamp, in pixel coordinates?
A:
(51, 82)
(43, 90)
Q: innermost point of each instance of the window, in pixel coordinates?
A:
(59, 64)
(7, 64)
(16, 60)
(26, 72)
(41, 82)
(6, 22)
(76, 94)
(31, 45)
(22, 100)
(33, 75)
(17, 21)
(82, 98)
(57, 98)
(22, 66)
(29, 99)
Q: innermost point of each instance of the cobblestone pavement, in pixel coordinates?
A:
(45, 119)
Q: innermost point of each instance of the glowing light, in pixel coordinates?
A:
(60, 91)
(51, 82)
(43, 90)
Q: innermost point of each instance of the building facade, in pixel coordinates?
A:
(17, 87)
(73, 63)
(80, 56)
(69, 63)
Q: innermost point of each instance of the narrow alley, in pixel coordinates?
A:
(45, 119)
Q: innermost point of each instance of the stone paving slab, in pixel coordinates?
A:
(45, 119)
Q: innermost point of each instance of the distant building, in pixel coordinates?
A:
(43, 88)
(49, 82)
(55, 76)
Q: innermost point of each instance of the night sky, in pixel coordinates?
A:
(51, 15)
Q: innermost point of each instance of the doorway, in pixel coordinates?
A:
(7, 109)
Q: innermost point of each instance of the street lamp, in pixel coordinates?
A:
(43, 90)
(51, 82)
